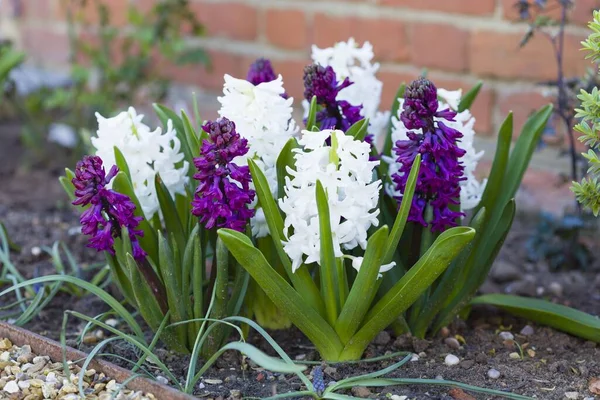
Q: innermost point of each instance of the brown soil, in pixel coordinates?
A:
(36, 213)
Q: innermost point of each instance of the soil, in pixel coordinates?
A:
(36, 213)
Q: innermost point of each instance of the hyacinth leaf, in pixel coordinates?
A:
(387, 146)
(478, 264)
(67, 184)
(301, 279)
(285, 160)
(121, 162)
(364, 288)
(198, 277)
(9, 60)
(449, 281)
(402, 216)
(122, 184)
(469, 98)
(169, 212)
(190, 134)
(524, 147)
(165, 114)
(329, 278)
(282, 294)
(557, 316)
(183, 206)
(311, 120)
(412, 285)
(169, 270)
(359, 129)
(144, 298)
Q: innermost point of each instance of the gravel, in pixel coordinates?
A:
(30, 376)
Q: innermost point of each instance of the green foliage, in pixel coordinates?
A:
(113, 66)
(9, 59)
(587, 191)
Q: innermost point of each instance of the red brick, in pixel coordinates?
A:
(387, 36)
(212, 78)
(496, 54)
(288, 29)
(427, 50)
(582, 12)
(45, 45)
(228, 19)
(391, 82)
(469, 7)
(292, 72)
(88, 12)
(39, 9)
(522, 104)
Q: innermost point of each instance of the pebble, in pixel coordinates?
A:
(556, 289)
(360, 391)
(112, 322)
(571, 395)
(527, 330)
(467, 364)
(506, 336)
(452, 343)
(451, 360)
(414, 357)
(11, 387)
(382, 338)
(514, 355)
(396, 397)
(235, 394)
(420, 345)
(162, 379)
(493, 373)
(36, 251)
(213, 381)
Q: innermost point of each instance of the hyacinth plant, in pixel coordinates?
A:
(158, 233)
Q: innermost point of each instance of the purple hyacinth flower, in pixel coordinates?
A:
(108, 211)
(261, 71)
(321, 82)
(223, 194)
(438, 183)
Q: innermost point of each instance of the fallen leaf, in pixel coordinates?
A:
(459, 394)
(595, 385)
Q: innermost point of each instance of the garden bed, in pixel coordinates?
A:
(550, 364)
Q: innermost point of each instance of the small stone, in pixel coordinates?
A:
(69, 388)
(396, 397)
(527, 330)
(99, 334)
(300, 357)
(330, 371)
(5, 356)
(420, 345)
(503, 272)
(5, 344)
(571, 395)
(514, 355)
(481, 358)
(162, 379)
(506, 336)
(445, 332)
(235, 394)
(24, 384)
(452, 343)
(493, 373)
(531, 353)
(360, 391)
(403, 341)
(112, 322)
(594, 385)
(467, 364)
(414, 357)
(556, 289)
(451, 360)
(382, 338)
(11, 387)
(36, 251)
(90, 339)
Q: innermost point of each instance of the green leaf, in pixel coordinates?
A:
(165, 114)
(557, 316)
(387, 146)
(285, 160)
(327, 267)
(263, 360)
(364, 288)
(467, 100)
(191, 136)
(359, 129)
(283, 295)
(311, 124)
(121, 162)
(173, 224)
(404, 293)
(402, 216)
(67, 184)
(193, 56)
(301, 279)
(9, 60)
(146, 302)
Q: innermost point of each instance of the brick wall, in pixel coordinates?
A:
(458, 41)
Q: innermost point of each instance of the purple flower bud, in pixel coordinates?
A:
(438, 183)
(223, 194)
(261, 71)
(109, 211)
(321, 82)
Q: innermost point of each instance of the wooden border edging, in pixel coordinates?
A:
(46, 347)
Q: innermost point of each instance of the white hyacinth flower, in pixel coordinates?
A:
(348, 60)
(264, 118)
(471, 189)
(357, 263)
(346, 174)
(147, 152)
